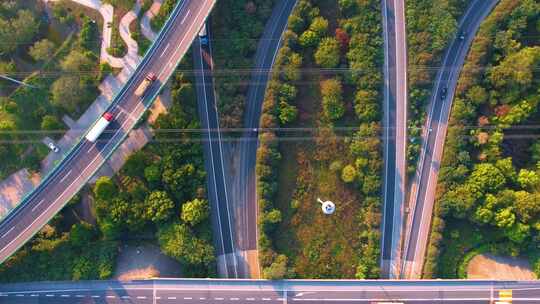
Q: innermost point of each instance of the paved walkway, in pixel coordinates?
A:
(131, 59)
(13, 188)
(146, 28)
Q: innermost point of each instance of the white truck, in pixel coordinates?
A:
(99, 127)
(141, 89)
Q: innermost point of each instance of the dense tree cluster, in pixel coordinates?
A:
(25, 108)
(430, 27)
(482, 180)
(236, 28)
(356, 44)
(161, 190)
(62, 251)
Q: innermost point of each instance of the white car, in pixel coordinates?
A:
(53, 147)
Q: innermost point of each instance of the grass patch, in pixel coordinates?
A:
(136, 34)
(118, 47)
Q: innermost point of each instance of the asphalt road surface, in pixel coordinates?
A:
(245, 196)
(213, 159)
(87, 157)
(283, 292)
(425, 182)
(394, 134)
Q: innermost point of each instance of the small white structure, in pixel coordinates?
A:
(327, 207)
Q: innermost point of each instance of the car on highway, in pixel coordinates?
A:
(145, 84)
(444, 92)
(53, 147)
(462, 35)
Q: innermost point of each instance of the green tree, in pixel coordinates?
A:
(152, 174)
(82, 234)
(77, 62)
(527, 205)
(332, 98)
(178, 241)
(328, 53)
(518, 232)
(17, 31)
(51, 123)
(366, 105)
(505, 218)
(486, 178)
(527, 178)
(42, 50)
(349, 174)
(105, 189)
(159, 206)
(319, 25)
(287, 112)
(70, 93)
(309, 39)
(195, 211)
(277, 270)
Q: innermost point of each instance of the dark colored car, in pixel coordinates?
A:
(444, 92)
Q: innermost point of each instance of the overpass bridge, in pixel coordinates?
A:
(85, 158)
(260, 291)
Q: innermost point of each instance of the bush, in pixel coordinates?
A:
(348, 174)
(327, 54)
(332, 99)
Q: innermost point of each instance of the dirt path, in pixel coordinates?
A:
(487, 266)
(144, 262)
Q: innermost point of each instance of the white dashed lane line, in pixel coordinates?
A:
(11, 229)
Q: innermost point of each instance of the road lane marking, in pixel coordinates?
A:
(141, 297)
(79, 296)
(126, 297)
(111, 297)
(185, 17)
(65, 296)
(34, 295)
(219, 299)
(35, 207)
(424, 147)
(49, 295)
(11, 229)
(266, 299)
(188, 298)
(202, 298)
(165, 50)
(95, 296)
(65, 176)
(212, 163)
(234, 299)
(19, 295)
(171, 298)
(250, 299)
(222, 170)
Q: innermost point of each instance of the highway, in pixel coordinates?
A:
(394, 134)
(244, 194)
(257, 291)
(213, 159)
(87, 157)
(422, 194)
